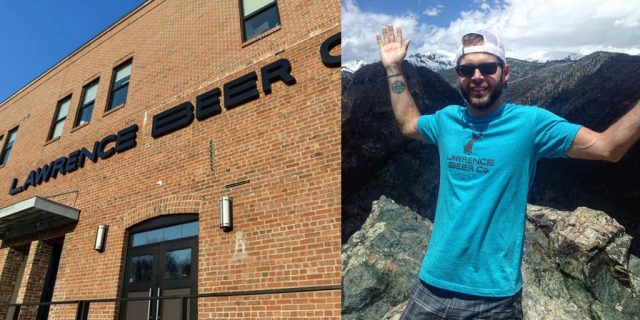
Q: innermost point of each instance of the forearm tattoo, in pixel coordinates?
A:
(397, 87)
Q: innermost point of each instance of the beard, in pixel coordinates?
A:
(484, 102)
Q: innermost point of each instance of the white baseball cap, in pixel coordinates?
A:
(491, 44)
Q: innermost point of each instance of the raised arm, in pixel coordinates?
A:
(392, 53)
(610, 145)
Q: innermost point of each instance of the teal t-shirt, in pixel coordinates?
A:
(487, 165)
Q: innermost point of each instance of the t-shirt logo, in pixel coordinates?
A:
(469, 146)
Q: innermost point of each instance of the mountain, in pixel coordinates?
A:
(593, 91)
(376, 158)
(444, 61)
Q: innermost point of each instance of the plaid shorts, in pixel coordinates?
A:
(429, 302)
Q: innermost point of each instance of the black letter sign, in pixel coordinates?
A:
(102, 153)
(126, 138)
(241, 90)
(173, 119)
(279, 70)
(14, 189)
(208, 104)
(325, 49)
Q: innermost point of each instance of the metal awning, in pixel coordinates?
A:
(34, 215)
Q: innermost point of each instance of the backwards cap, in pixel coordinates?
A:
(491, 44)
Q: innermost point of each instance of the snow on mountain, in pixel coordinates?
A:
(353, 66)
(545, 56)
(435, 61)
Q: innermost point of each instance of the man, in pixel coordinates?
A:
(488, 154)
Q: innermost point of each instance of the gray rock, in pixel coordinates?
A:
(380, 262)
(396, 312)
(634, 265)
(576, 265)
(634, 273)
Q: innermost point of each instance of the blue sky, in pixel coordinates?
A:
(37, 34)
(438, 12)
(532, 30)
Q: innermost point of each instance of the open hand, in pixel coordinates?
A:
(392, 48)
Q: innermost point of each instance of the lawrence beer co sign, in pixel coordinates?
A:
(236, 92)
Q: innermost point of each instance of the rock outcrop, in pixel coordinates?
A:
(380, 262)
(576, 265)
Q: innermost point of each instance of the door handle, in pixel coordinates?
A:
(149, 305)
(158, 304)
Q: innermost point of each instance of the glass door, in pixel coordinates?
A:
(161, 261)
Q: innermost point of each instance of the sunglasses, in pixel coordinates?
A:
(486, 69)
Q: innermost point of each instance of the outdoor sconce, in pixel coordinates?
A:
(101, 237)
(226, 222)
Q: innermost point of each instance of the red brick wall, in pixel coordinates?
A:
(32, 282)
(10, 261)
(287, 144)
(290, 306)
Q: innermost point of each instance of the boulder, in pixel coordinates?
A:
(576, 265)
(380, 261)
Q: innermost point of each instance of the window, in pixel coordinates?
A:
(178, 231)
(258, 16)
(11, 137)
(119, 85)
(59, 117)
(88, 98)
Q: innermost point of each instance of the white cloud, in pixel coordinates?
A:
(359, 30)
(433, 11)
(528, 29)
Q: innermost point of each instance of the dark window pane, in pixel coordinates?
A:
(120, 82)
(178, 231)
(7, 148)
(261, 22)
(177, 264)
(63, 109)
(89, 93)
(119, 97)
(57, 130)
(171, 233)
(154, 236)
(85, 115)
(5, 156)
(190, 229)
(59, 118)
(251, 6)
(12, 138)
(141, 268)
(122, 74)
(120, 85)
(139, 239)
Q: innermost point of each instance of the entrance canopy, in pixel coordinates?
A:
(34, 215)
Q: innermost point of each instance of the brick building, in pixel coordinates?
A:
(116, 162)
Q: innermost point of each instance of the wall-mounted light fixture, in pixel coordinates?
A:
(101, 237)
(226, 217)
